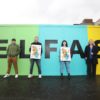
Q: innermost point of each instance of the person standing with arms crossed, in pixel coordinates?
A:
(91, 58)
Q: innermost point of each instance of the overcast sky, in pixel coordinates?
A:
(48, 11)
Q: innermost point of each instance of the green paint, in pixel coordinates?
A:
(20, 32)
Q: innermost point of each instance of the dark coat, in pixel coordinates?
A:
(87, 54)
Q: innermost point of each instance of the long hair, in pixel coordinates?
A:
(63, 42)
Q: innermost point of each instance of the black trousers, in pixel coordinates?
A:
(91, 69)
(38, 62)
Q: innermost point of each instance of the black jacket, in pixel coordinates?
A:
(87, 54)
(36, 43)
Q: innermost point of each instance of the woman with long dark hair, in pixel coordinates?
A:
(64, 63)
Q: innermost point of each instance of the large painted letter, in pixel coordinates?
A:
(79, 51)
(47, 47)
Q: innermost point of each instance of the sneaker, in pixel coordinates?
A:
(7, 75)
(16, 76)
(30, 76)
(40, 76)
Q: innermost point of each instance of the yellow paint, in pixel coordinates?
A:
(94, 33)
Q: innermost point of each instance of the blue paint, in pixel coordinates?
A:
(69, 33)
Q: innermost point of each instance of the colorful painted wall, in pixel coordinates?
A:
(94, 33)
(51, 37)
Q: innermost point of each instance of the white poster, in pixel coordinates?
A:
(65, 54)
(35, 52)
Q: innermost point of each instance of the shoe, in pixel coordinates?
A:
(7, 75)
(30, 76)
(16, 76)
(62, 77)
(40, 76)
(69, 76)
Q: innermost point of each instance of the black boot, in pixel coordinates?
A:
(69, 76)
(61, 76)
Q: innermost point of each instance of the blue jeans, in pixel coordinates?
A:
(66, 64)
(38, 62)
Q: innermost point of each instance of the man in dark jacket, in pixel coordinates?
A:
(13, 51)
(32, 60)
(91, 58)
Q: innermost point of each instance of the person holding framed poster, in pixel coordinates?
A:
(35, 56)
(65, 58)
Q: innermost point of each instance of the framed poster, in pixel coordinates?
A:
(35, 52)
(65, 54)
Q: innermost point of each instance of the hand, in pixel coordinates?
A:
(92, 53)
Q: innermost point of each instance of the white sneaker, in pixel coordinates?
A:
(40, 76)
(30, 76)
(7, 75)
(16, 76)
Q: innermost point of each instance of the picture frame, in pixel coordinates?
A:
(35, 52)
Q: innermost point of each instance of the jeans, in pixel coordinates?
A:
(66, 64)
(38, 62)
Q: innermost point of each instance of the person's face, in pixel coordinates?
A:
(13, 42)
(36, 39)
(91, 42)
(64, 43)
